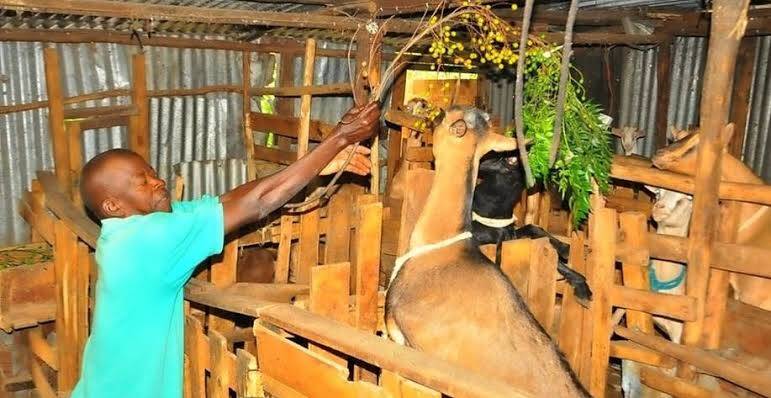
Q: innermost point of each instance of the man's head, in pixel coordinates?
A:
(119, 183)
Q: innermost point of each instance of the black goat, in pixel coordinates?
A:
(502, 185)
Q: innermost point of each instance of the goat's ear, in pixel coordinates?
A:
(616, 131)
(458, 128)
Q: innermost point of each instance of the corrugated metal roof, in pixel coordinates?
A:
(13, 19)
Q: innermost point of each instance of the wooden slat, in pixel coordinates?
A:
(40, 348)
(663, 67)
(673, 385)
(97, 111)
(40, 379)
(673, 306)
(246, 111)
(102, 122)
(368, 233)
(571, 316)
(195, 350)
(542, 288)
(634, 269)
(308, 250)
(759, 382)
(308, 88)
(223, 274)
(281, 273)
(338, 242)
(329, 291)
(515, 264)
(42, 223)
(740, 101)
(81, 298)
(420, 181)
(288, 126)
(139, 126)
(399, 387)
(73, 130)
(56, 116)
(188, 14)
(220, 373)
(299, 368)
(718, 288)
(603, 244)
(419, 367)
(65, 266)
(635, 352)
(248, 380)
(274, 155)
(63, 208)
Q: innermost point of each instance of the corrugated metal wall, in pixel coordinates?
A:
(183, 129)
(757, 153)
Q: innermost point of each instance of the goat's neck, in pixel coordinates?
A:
(448, 206)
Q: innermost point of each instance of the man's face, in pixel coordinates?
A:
(136, 190)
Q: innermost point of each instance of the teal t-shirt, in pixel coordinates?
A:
(135, 347)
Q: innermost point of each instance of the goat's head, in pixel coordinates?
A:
(465, 135)
(499, 163)
(629, 137)
(671, 209)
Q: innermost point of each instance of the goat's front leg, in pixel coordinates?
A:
(535, 232)
(576, 281)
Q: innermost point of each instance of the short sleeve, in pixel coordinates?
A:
(192, 232)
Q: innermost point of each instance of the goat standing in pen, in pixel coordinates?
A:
(493, 215)
(445, 298)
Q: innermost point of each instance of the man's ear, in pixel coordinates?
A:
(111, 208)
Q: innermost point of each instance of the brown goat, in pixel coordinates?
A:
(448, 299)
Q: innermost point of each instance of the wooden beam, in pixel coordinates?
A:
(56, 116)
(409, 363)
(634, 268)
(625, 349)
(287, 126)
(188, 14)
(246, 112)
(663, 67)
(274, 155)
(625, 169)
(139, 129)
(63, 208)
(729, 18)
(307, 89)
(672, 385)
(751, 379)
(742, 88)
(672, 306)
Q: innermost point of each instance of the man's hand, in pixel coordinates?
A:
(358, 124)
(360, 163)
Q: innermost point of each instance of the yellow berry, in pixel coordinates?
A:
(514, 7)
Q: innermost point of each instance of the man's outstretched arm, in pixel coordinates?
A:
(254, 200)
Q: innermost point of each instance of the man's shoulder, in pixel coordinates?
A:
(187, 206)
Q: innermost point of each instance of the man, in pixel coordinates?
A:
(148, 248)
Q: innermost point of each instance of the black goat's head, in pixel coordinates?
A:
(494, 163)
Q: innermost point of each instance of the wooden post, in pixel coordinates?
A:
(196, 352)
(395, 135)
(308, 254)
(139, 126)
(338, 244)
(223, 274)
(74, 132)
(329, 296)
(368, 235)
(374, 81)
(542, 287)
(742, 88)
(246, 104)
(662, 95)
(56, 117)
(285, 106)
(603, 245)
(634, 228)
(571, 317)
(729, 18)
(65, 267)
(717, 290)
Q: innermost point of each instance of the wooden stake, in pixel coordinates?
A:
(285, 106)
(56, 116)
(729, 19)
(139, 129)
(65, 265)
(603, 244)
(664, 59)
(634, 227)
(308, 255)
(74, 133)
(571, 317)
(542, 288)
(742, 88)
(223, 274)
(246, 104)
(368, 233)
